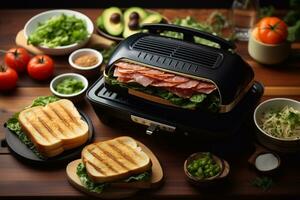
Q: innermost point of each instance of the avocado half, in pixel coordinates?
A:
(142, 14)
(111, 21)
(152, 19)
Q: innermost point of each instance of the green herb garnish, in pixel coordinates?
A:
(265, 183)
(14, 126)
(69, 86)
(99, 187)
(59, 30)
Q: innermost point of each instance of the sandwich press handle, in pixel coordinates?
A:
(189, 33)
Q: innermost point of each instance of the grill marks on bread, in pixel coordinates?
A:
(114, 158)
(56, 125)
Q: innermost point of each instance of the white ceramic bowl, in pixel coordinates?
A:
(86, 71)
(74, 97)
(268, 54)
(32, 24)
(285, 145)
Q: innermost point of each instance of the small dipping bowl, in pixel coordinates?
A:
(88, 71)
(76, 97)
(267, 162)
(224, 166)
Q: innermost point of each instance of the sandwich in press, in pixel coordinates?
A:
(165, 87)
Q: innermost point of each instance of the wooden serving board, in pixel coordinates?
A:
(120, 190)
(96, 41)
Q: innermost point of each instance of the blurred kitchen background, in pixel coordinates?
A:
(126, 3)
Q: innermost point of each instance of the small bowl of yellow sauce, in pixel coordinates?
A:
(86, 61)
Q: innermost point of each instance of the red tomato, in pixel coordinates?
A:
(8, 78)
(17, 58)
(255, 33)
(272, 30)
(40, 67)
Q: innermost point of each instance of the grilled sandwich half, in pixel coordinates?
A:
(55, 127)
(114, 159)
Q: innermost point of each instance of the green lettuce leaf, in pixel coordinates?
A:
(43, 100)
(198, 98)
(87, 182)
(145, 176)
(60, 30)
(14, 126)
(99, 187)
(207, 102)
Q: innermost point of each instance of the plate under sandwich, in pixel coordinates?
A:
(119, 190)
(24, 153)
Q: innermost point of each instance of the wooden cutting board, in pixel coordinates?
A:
(120, 190)
(96, 42)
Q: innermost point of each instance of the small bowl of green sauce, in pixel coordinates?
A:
(70, 86)
(204, 168)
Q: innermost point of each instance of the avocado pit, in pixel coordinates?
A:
(134, 16)
(133, 24)
(115, 18)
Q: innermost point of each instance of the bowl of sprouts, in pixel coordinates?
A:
(277, 123)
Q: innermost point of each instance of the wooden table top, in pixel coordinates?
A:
(18, 179)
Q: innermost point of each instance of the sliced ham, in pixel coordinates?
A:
(163, 84)
(117, 72)
(179, 85)
(188, 85)
(125, 71)
(161, 77)
(177, 79)
(141, 79)
(125, 80)
(125, 65)
(151, 71)
(202, 85)
(206, 90)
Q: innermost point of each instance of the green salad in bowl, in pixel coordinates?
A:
(58, 32)
(70, 86)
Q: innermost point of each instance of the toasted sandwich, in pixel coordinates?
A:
(54, 128)
(119, 160)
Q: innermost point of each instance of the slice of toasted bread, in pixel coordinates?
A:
(114, 159)
(55, 127)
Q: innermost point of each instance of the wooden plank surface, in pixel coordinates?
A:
(21, 180)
